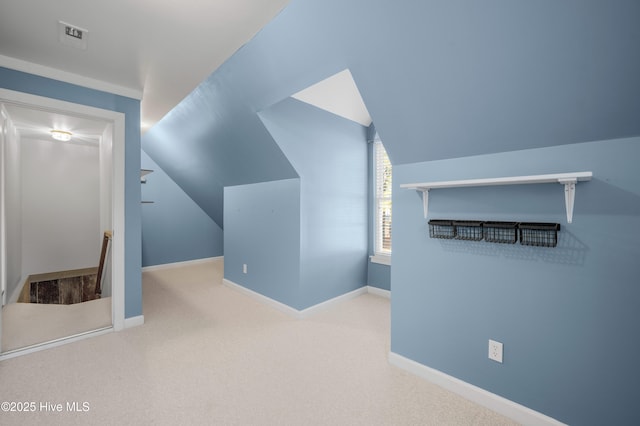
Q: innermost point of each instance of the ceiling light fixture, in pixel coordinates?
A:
(61, 135)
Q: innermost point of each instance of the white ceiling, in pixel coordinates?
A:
(158, 51)
(339, 95)
(155, 51)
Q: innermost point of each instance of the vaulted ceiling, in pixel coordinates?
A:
(440, 79)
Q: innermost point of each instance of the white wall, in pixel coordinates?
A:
(60, 206)
(12, 229)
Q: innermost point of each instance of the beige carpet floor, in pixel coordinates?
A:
(209, 355)
(26, 324)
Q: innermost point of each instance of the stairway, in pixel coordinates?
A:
(67, 287)
(63, 288)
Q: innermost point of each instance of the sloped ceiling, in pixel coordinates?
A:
(442, 79)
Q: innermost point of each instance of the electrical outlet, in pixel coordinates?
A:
(495, 351)
(244, 268)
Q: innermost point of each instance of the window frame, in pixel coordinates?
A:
(381, 254)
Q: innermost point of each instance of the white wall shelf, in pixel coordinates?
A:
(569, 181)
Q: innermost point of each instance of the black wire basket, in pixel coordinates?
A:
(468, 230)
(500, 232)
(441, 229)
(539, 234)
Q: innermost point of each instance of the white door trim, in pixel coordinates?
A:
(67, 77)
(117, 119)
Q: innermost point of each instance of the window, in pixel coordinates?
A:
(382, 189)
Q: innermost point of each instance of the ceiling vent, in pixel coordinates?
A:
(72, 35)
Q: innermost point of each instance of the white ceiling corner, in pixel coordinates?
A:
(339, 95)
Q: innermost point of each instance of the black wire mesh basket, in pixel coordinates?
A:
(468, 230)
(500, 232)
(539, 234)
(439, 228)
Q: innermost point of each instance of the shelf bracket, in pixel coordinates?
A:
(143, 175)
(569, 196)
(425, 201)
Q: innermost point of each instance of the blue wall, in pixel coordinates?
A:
(567, 316)
(262, 230)
(174, 227)
(330, 155)
(379, 276)
(35, 85)
(442, 80)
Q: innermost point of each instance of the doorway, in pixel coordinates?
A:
(60, 241)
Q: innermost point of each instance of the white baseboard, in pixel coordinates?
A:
(379, 292)
(286, 309)
(508, 408)
(134, 321)
(324, 305)
(180, 264)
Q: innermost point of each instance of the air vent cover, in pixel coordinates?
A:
(72, 35)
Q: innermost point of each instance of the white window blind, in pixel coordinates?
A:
(382, 176)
